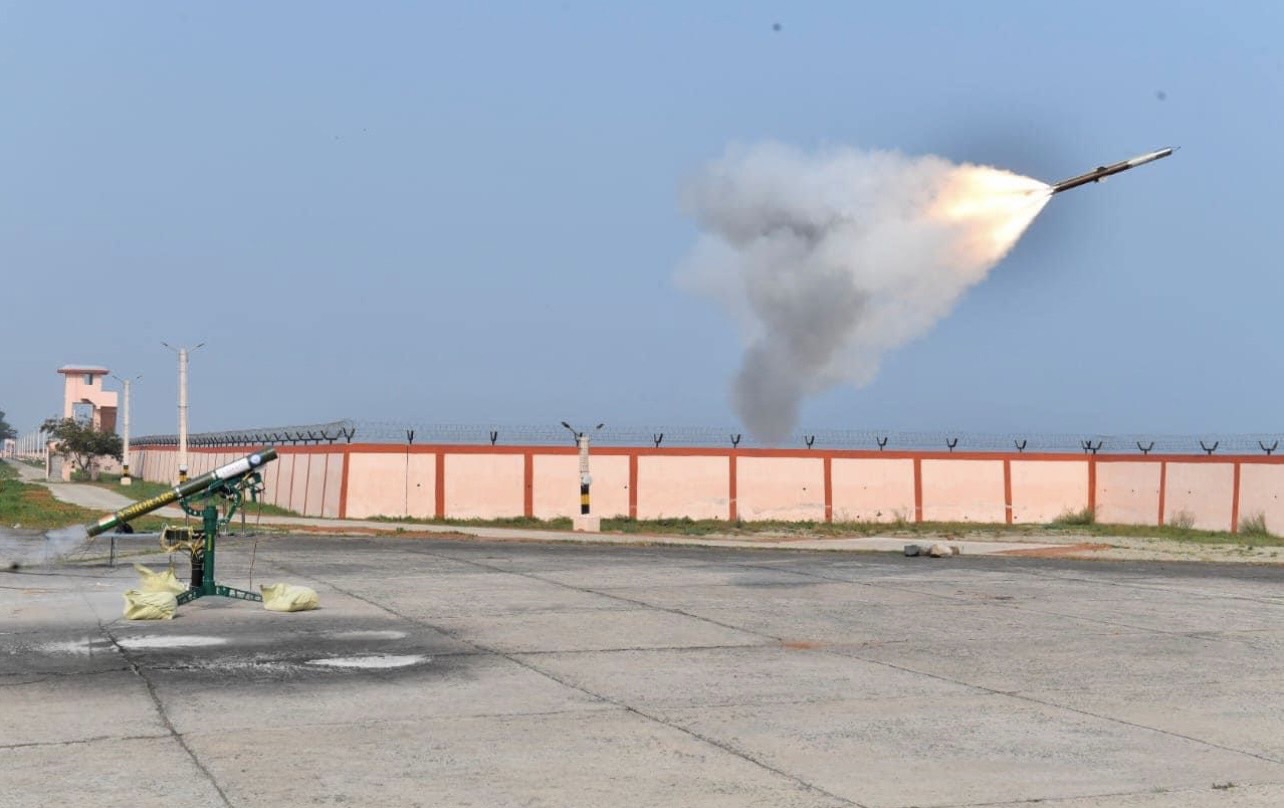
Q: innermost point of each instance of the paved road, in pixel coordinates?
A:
(505, 674)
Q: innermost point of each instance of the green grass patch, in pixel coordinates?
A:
(1080, 518)
(1078, 524)
(33, 506)
(136, 490)
(673, 527)
(719, 527)
(525, 522)
(1185, 534)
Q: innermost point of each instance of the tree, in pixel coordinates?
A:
(83, 443)
(6, 431)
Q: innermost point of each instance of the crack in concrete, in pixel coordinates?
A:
(95, 739)
(159, 704)
(415, 722)
(950, 680)
(714, 742)
(1052, 705)
(1112, 795)
(600, 593)
(47, 674)
(742, 755)
(1017, 695)
(1012, 605)
(882, 585)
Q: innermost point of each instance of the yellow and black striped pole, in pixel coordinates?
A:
(585, 479)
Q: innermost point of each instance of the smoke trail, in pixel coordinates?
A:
(18, 550)
(64, 540)
(829, 260)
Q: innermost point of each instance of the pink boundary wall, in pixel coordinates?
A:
(487, 482)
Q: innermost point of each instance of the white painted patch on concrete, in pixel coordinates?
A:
(367, 635)
(83, 647)
(170, 642)
(251, 665)
(370, 662)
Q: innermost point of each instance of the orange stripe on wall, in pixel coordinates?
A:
(1235, 502)
(1092, 485)
(528, 474)
(1163, 488)
(307, 485)
(440, 505)
(294, 463)
(1007, 491)
(343, 483)
(731, 486)
(325, 480)
(829, 489)
(918, 489)
(633, 485)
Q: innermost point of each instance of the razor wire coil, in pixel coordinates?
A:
(410, 433)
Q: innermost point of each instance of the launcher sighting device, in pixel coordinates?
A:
(201, 497)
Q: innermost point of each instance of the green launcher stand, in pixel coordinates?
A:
(200, 497)
(203, 562)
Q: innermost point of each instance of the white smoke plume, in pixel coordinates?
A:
(829, 260)
(18, 550)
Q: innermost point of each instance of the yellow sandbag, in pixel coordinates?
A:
(288, 598)
(151, 581)
(150, 605)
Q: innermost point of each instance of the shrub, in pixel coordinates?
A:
(1082, 517)
(1254, 525)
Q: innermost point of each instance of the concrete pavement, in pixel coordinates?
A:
(446, 673)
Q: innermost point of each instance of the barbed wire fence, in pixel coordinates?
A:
(410, 433)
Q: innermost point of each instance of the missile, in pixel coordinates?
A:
(1101, 172)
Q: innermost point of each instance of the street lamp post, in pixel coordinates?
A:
(124, 470)
(44, 450)
(182, 407)
(585, 521)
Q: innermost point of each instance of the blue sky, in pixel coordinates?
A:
(468, 213)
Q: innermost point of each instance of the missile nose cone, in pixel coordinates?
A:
(1148, 157)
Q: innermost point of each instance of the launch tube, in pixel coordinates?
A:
(196, 485)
